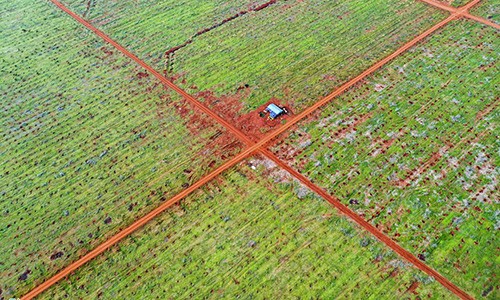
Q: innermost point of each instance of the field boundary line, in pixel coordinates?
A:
(462, 11)
(258, 146)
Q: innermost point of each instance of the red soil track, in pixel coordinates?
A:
(482, 20)
(462, 11)
(252, 147)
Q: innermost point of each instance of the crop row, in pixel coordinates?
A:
(149, 29)
(455, 3)
(298, 51)
(294, 51)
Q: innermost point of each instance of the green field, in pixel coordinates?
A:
(91, 142)
(88, 143)
(246, 236)
(149, 28)
(435, 106)
(299, 51)
(489, 9)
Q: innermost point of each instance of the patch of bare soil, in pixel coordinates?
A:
(254, 124)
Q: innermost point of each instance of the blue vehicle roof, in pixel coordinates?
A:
(274, 109)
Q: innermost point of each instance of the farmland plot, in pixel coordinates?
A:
(89, 142)
(150, 28)
(247, 235)
(489, 9)
(381, 149)
(297, 51)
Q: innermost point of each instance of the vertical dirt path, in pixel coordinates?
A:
(255, 147)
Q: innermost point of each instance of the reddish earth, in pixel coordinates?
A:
(480, 115)
(369, 227)
(413, 288)
(461, 11)
(421, 169)
(252, 124)
(471, 139)
(288, 152)
(221, 143)
(341, 133)
(385, 144)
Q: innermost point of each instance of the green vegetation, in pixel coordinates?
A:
(249, 237)
(298, 51)
(88, 143)
(149, 28)
(414, 150)
(489, 9)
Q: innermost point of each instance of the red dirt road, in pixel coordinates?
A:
(253, 147)
(354, 81)
(482, 20)
(134, 226)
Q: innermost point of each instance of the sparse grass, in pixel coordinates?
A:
(419, 110)
(245, 236)
(86, 144)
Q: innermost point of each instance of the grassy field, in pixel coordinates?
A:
(413, 150)
(148, 29)
(88, 143)
(245, 236)
(489, 9)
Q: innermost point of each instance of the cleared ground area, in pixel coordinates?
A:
(247, 236)
(89, 142)
(413, 150)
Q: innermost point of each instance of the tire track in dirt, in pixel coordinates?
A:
(253, 147)
(462, 11)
